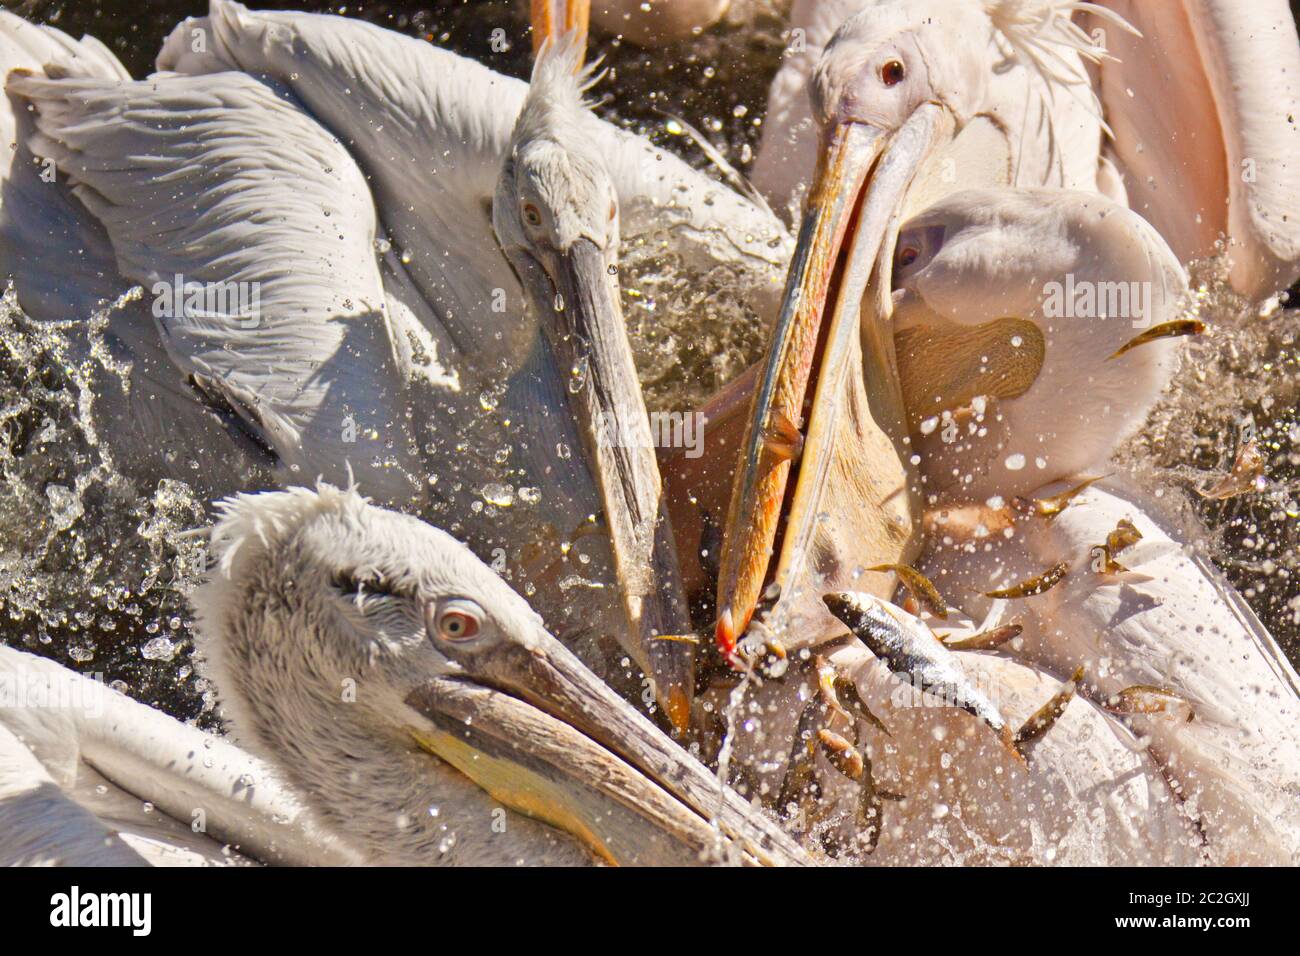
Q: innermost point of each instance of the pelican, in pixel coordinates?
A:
(905, 112)
(413, 707)
(341, 199)
(1196, 97)
(1015, 395)
(912, 101)
(1168, 619)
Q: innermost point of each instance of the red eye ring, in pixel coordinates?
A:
(454, 625)
(893, 73)
(907, 255)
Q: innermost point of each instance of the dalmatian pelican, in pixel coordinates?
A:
(897, 104)
(413, 708)
(1197, 98)
(340, 202)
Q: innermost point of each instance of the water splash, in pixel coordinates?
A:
(93, 570)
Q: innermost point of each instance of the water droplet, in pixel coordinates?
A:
(503, 496)
(159, 649)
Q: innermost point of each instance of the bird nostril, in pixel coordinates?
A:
(893, 73)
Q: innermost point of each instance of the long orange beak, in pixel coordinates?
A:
(849, 228)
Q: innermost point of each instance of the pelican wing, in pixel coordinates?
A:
(253, 235)
(92, 759)
(58, 254)
(41, 826)
(430, 130)
(1175, 622)
(1203, 107)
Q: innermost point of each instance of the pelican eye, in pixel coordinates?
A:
(458, 621)
(893, 73)
(907, 256)
(532, 215)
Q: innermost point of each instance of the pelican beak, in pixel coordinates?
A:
(832, 428)
(528, 723)
(584, 327)
(552, 19)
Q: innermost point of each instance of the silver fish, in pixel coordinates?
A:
(910, 650)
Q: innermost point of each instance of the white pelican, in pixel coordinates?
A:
(1017, 387)
(1203, 107)
(90, 777)
(908, 106)
(912, 100)
(1198, 96)
(1171, 620)
(340, 198)
(408, 698)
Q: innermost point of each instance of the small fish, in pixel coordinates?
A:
(847, 692)
(985, 640)
(909, 649)
(920, 587)
(774, 647)
(1146, 699)
(1163, 331)
(1035, 585)
(1047, 715)
(1053, 506)
(1245, 476)
(871, 808)
(678, 638)
(1124, 536)
(841, 754)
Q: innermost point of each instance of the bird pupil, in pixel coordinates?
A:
(892, 73)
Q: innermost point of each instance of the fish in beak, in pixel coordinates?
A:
(828, 404)
(529, 724)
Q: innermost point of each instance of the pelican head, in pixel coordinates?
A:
(893, 90)
(1010, 307)
(420, 705)
(554, 198)
(556, 215)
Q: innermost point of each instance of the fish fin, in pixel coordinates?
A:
(1008, 738)
(783, 438)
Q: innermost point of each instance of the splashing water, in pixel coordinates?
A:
(1238, 382)
(93, 570)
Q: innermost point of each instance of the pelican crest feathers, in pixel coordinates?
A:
(1038, 31)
